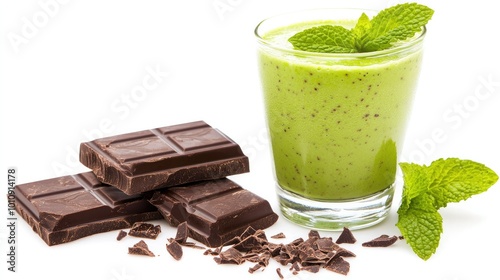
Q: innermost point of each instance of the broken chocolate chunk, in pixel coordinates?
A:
(145, 230)
(346, 237)
(175, 250)
(67, 208)
(381, 241)
(121, 235)
(231, 209)
(140, 248)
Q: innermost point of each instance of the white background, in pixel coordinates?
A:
(72, 71)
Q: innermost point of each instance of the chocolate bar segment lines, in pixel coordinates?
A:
(146, 160)
(67, 208)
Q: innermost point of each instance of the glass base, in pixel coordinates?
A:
(334, 216)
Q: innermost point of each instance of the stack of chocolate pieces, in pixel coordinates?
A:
(177, 172)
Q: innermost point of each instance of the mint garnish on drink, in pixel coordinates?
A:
(390, 25)
(429, 188)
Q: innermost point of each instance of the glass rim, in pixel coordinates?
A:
(404, 46)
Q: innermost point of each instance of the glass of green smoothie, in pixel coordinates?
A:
(336, 121)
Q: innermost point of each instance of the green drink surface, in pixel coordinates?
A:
(336, 124)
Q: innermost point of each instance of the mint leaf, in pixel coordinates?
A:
(393, 24)
(429, 188)
(456, 180)
(416, 182)
(324, 39)
(396, 23)
(424, 238)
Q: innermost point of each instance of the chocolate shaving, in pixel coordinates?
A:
(121, 235)
(140, 248)
(278, 270)
(338, 265)
(381, 241)
(145, 230)
(230, 256)
(295, 267)
(346, 237)
(182, 233)
(310, 255)
(278, 236)
(313, 233)
(311, 268)
(175, 250)
(254, 268)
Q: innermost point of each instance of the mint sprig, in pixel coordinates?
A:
(429, 188)
(390, 25)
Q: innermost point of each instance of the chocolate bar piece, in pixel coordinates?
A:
(141, 161)
(71, 207)
(215, 211)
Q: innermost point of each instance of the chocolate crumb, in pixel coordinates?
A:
(145, 230)
(140, 248)
(279, 235)
(278, 270)
(346, 237)
(121, 235)
(175, 250)
(381, 241)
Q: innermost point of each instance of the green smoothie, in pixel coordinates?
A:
(336, 121)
